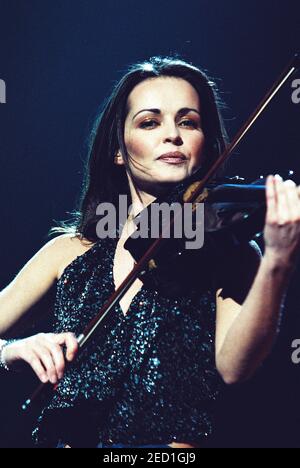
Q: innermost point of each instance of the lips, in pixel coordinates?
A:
(173, 156)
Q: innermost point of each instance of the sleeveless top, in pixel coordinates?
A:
(146, 377)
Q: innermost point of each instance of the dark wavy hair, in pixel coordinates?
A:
(104, 181)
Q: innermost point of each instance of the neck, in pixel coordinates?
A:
(145, 196)
(141, 201)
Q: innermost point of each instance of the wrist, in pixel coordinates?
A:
(3, 364)
(277, 264)
(3, 360)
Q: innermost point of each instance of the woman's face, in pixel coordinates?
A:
(164, 117)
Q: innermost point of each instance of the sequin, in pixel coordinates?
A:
(147, 377)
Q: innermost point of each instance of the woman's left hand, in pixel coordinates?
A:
(282, 228)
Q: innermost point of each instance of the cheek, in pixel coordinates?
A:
(197, 144)
(137, 146)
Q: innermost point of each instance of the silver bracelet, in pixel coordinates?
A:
(3, 344)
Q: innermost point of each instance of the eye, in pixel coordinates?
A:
(148, 123)
(189, 123)
(152, 123)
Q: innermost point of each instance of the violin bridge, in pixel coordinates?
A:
(191, 190)
(202, 197)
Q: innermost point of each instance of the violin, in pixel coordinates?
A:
(234, 212)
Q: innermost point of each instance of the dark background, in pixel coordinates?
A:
(59, 60)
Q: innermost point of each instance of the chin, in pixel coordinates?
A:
(174, 178)
(162, 185)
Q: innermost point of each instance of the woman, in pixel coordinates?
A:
(151, 376)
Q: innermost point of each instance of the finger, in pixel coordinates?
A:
(46, 359)
(71, 343)
(34, 361)
(57, 357)
(283, 211)
(291, 191)
(271, 200)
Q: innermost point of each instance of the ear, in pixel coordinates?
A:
(118, 159)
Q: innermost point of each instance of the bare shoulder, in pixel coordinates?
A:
(37, 276)
(66, 248)
(70, 243)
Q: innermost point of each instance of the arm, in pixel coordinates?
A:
(246, 329)
(31, 283)
(42, 352)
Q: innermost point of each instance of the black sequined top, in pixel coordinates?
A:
(147, 377)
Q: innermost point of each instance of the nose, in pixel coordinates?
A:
(173, 135)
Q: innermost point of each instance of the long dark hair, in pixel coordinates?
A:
(104, 181)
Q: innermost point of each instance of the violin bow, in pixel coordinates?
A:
(191, 196)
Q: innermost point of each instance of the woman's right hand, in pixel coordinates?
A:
(44, 353)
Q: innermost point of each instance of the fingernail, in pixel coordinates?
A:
(290, 183)
(278, 177)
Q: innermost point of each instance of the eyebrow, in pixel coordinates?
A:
(182, 111)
